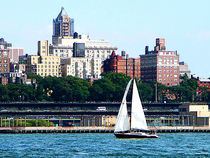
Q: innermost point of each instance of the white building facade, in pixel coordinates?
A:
(84, 62)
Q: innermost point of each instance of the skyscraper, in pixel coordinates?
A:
(63, 26)
(160, 65)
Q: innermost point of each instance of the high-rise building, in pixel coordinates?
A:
(184, 69)
(160, 65)
(43, 64)
(123, 64)
(4, 58)
(85, 56)
(72, 26)
(63, 26)
(81, 67)
(43, 48)
(14, 53)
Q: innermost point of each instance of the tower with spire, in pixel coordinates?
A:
(63, 26)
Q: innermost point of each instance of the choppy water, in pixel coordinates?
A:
(104, 145)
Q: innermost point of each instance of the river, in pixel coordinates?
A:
(104, 145)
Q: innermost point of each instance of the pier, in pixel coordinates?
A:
(89, 118)
(24, 130)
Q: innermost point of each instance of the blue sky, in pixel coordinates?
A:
(128, 24)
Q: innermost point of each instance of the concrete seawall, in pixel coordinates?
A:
(16, 130)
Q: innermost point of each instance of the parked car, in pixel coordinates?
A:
(101, 108)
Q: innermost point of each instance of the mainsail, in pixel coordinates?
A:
(122, 123)
(138, 120)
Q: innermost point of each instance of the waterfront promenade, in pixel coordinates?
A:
(163, 129)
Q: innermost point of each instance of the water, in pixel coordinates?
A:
(104, 145)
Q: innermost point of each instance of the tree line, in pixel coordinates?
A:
(110, 88)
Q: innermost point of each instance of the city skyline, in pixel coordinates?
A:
(129, 26)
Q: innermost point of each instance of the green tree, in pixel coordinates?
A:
(145, 91)
(102, 90)
(4, 93)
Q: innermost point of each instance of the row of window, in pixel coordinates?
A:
(168, 71)
(175, 80)
(5, 70)
(168, 75)
(168, 67)
(53, 74)
(48, 59)
(2, 65)
(5, 61)
(41, 66)
(88, 51)
(168, 62)
(48, 70)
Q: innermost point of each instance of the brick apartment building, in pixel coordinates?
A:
(160, 65)
(122, 64)
(4, 60)
(14, 54)
(203, 85)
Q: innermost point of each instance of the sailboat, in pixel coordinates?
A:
(137, 126)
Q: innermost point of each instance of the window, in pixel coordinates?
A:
(5, 61)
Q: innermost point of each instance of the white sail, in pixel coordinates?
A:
(122, 123)
(138, 120)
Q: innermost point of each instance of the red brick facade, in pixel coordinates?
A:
(118, 64)
(203, 85)
(160, 65)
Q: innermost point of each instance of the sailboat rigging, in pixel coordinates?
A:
(125, 129)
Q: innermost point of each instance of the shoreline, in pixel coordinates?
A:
(163, 129)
